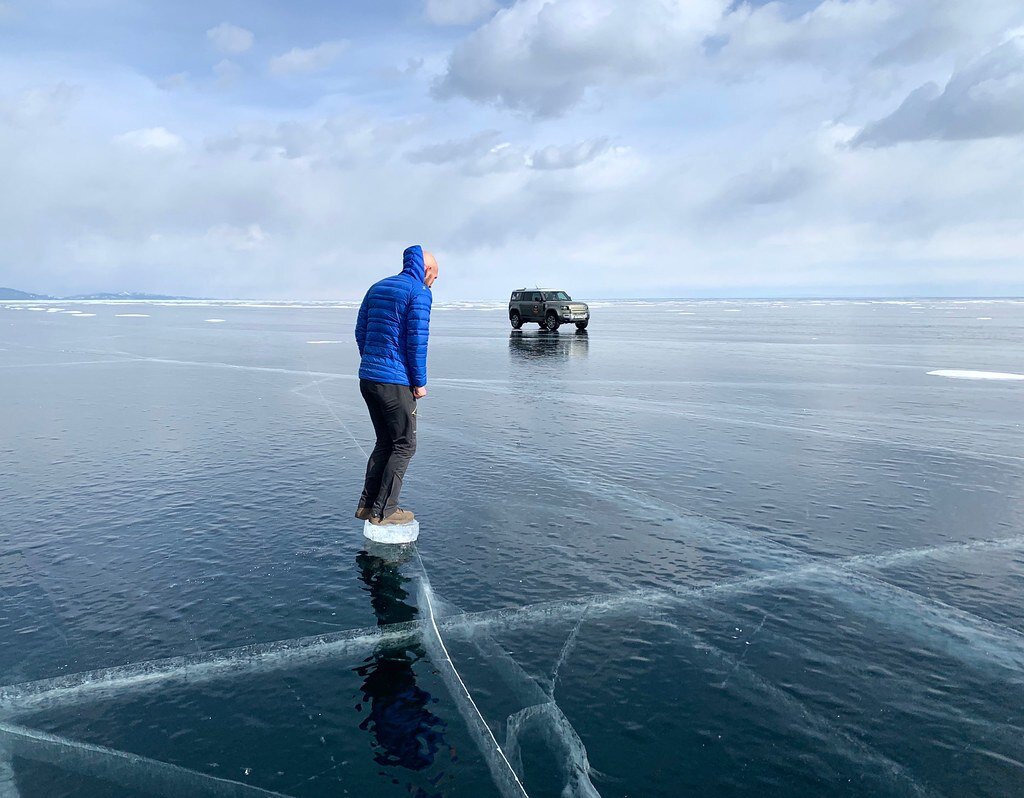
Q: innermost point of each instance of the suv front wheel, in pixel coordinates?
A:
(582, 325)
(551, 322)
(515, 319)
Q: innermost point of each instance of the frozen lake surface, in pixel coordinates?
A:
(709, 548)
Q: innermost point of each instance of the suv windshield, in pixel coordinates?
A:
(557, 296)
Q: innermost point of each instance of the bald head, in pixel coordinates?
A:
(430, 263)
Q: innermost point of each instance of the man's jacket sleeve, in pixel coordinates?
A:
(417, 333)
(361, 327)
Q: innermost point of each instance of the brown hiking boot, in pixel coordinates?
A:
(396, 518)
(364, 513)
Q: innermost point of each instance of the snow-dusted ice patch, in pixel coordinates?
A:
(214, 321)
(325, 342)
(131, 315)
(966, 374)
(80, 315)
(984, 318)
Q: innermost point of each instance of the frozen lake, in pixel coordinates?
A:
(709, 548)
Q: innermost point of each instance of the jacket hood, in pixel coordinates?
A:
(412, 263)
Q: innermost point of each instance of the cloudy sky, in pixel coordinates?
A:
(249, 148)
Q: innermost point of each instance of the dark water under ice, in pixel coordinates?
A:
(708, 548)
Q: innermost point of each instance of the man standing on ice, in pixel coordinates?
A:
(392, 331)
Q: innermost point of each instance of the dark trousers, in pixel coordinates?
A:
(393, 413)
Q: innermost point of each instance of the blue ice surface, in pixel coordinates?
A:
(791, 562)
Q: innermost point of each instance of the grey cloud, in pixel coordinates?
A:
(455, 150)
(983, 100)
(570, 156)
(482, 154)
(543, 56)
(768, 186)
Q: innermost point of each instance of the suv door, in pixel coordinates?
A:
(535, 308)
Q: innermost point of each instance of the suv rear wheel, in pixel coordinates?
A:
(516, 319)
(551, 322)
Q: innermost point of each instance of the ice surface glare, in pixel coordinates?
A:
(134, 773)
(505, 777)
(960, 634)
(617, 603)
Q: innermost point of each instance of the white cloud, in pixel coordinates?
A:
(982, 100)
(311, 59)
(151, 138)
(40, 105)
(227, 72)
(179, 80)
(485, 153)
(703, 163)
(458, 12)
(237, 238)
(230, 39)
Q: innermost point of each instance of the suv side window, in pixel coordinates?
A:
(515, 296)
(537, 298)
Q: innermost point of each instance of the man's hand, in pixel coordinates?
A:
(419, 392)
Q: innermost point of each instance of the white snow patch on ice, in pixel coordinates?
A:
(325, 342)
(984, 318)
(967, 374)
(80, 315)
(131, 315)
(215, 321)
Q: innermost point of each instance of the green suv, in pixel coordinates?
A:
(547, 308)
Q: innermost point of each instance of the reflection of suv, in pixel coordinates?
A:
(546, 307)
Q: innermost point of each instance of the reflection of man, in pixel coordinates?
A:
(392, 331)
(408, 734)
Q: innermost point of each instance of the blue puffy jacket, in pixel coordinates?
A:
(394, 324)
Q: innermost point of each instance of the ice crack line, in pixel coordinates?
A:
(330, 408)
(505, 776)
(74, 688)
(131, 771)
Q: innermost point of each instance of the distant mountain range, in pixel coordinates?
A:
(11, 293)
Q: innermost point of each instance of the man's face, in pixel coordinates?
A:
(431, 270)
